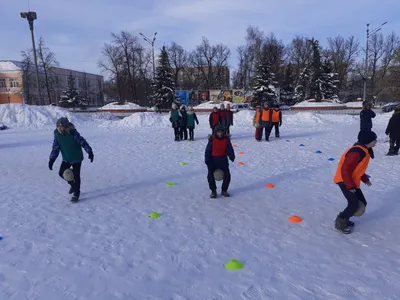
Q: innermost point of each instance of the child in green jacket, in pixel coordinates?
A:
(191, 119)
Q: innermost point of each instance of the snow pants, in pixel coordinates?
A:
(76, 169)
(191, 133)
(176, 133)
(227, 130)
(183, 133)
(257, 134)
(267, 133)
(394, 146)
(211, 180)
(276, 125)
(352, 201)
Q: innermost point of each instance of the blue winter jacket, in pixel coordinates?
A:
(366, 116)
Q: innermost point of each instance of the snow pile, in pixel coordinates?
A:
(243, 118)
(126, 106)
(357, 104)
(29, 116)
(144, 119)
(212, 104)
(323, 103)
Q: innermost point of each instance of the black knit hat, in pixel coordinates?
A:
(365, 137)
(64, 122)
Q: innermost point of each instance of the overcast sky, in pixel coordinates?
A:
(75, 30)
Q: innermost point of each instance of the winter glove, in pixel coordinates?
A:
(91, 156)
(368, 183)
(352, 190)
(232, 159)
(51, 163)
(280, 124)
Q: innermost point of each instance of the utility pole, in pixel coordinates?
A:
(366, 57)
(32, 16)
(151, 42)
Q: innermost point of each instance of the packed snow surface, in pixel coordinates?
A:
(126, 106)
(356, 104)
(106, 247)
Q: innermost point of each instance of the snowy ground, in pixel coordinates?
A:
(106, 247)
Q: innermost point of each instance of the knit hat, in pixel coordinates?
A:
(63, 122)
(219, 128)
(222, 106)
(365, 137)
(183, 106)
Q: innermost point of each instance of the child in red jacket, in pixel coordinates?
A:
(350, 173)
(214, 119)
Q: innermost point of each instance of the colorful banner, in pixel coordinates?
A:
(215, 95)
(204, 96)
(181, 96)
(248, 96)
(227, 95)
(238, 96)
(193, 96)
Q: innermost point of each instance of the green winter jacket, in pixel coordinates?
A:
(70, 145)
(191, 119)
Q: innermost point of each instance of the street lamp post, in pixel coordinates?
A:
(369, 33)
(151, 42)
(32, 16)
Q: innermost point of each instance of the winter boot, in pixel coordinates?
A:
(342, 225)
(225, 194)
(350, 223)
(75, 197)
(213, 194)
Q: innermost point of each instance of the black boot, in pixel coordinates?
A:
(75, 197)
(350, 223)
(342, 225)
(72, 188)
(225, 194)
(213, 194)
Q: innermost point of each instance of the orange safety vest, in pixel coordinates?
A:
(275, 116)
(257, 116)
(265, 115)
(358, 172)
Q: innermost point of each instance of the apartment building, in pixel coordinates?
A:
(18, 84)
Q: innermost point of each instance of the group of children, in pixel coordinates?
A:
(267, 118)
(182, 121)
(221, 117)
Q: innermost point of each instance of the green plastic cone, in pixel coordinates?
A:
(154, 215)
(183, 163)
(189, 152)
(170, 183)
(234, 265)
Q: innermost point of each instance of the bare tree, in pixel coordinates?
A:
(112, 63)
(179, 59)
(28, 71)
(47, 61)
(300, 54)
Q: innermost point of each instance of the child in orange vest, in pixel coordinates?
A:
(256, 123)
(276, 120)
(219, 148)
(350, 172)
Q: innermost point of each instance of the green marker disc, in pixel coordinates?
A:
(234, 265)
(183, 163)
(154, 215)
(170, 183)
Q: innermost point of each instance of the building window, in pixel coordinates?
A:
(14, 83)
(2, 83)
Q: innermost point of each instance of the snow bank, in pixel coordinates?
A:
(211, 104)
(29, 116)
(144, 119)
(127, 105)
(357, 104)
(104, 115)
(324, 103)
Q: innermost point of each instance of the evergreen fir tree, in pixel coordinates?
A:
(71, 97)
(287, 89)
(300, 91)
(163, 87)
(330, 81)
(317, 77)
(264, 86)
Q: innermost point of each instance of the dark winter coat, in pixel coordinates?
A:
(224, 147)
(366, 116)
(229, 118)
(70, 144)
(174, 117)
(191, 119)
(183, 120)
(393, 127)
(214, 119)
(223, 120)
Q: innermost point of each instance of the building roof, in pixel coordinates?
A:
(14, 65)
